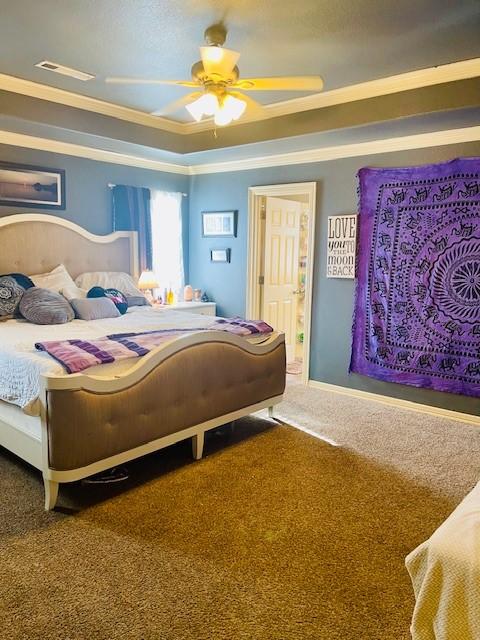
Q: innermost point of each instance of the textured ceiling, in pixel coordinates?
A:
(344, 41)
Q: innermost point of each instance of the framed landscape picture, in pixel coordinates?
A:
(28, 186)
(221, 224)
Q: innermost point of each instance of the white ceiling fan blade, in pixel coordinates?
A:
(178, 104)
(254, 108)
(217, 60)
(181, 83)
(281, 83)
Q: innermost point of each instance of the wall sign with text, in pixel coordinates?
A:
(341, 248)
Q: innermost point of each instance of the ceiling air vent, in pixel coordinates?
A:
(64, 71)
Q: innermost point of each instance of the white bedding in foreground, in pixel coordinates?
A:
(21, 365)
(445, 572)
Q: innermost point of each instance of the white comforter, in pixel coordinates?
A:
(445, 572)
(21, 364)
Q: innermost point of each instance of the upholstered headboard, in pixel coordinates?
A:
(36, 243)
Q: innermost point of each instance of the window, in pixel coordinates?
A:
(167, 240)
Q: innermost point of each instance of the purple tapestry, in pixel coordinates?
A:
(417, 310)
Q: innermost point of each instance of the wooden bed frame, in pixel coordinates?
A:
(91, 423)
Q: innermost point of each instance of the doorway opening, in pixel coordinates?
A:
(280, 265)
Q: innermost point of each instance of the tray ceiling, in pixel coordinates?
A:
(345, 42)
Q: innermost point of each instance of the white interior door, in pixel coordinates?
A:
(280, 291)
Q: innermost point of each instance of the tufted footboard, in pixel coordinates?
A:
(181, 390)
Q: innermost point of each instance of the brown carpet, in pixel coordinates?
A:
(274, 535)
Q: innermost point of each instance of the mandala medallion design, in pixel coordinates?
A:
(455, 281)
(465, 281)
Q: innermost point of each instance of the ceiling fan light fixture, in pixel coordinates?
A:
(195, 110)
(218, 60)
(231, 109)
(234, 106)
(211, 54)
(222, 118)
(206, 105)
(210, 104)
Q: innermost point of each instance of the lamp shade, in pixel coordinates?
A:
(147, 280)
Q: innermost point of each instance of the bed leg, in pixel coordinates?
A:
(51, 493)
(270, 412)
(197, 445)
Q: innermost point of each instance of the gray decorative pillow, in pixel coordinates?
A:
(137, 301)
(10, 294)
(94, 308)
(42, 306)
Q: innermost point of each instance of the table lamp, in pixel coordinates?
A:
(147, 283)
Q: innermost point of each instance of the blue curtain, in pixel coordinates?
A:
(131, 212)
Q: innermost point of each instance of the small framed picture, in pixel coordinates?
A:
(220, 255)
(23, 185)
(222, 224)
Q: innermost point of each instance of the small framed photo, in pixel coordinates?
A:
(23, 185)
(220, 255)
(221, 224)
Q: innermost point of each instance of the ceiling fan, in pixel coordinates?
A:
(219, 88)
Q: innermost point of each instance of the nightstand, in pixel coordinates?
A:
(202, 308)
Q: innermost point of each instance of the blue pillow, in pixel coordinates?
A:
(115, 296)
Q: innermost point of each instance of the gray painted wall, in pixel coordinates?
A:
(88, 195)
(332, 299)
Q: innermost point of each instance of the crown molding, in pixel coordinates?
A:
(90, 153)
(383, 86)
(451, 72)
(322, 154)
(78, 101)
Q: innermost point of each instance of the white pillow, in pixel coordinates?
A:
(73, 292)
(109, 280)
(54, 280)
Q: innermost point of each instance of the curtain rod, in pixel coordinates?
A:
(111, 185)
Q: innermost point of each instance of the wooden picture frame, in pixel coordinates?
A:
(219, 224)
(24, 185)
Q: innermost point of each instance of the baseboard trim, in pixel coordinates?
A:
(438, 412)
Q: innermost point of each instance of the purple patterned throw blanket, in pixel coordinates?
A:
(417, 310)
(77, 355)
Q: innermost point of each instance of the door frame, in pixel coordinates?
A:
(255, 252)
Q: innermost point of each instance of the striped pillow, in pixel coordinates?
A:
(42, 306)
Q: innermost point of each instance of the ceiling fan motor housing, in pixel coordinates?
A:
(199, 75)
(216, 34)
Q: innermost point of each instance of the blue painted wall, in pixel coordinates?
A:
(332, 299)
(88, 194)
(88, 204)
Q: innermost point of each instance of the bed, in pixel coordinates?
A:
(73, 426)
(445, 573)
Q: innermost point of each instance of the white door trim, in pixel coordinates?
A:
(254, 253)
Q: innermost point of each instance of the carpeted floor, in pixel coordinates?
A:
(274, 535)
